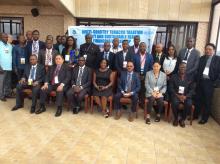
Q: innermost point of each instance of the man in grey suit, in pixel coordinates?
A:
(190, 56)
(80, 85)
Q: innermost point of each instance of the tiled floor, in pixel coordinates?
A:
(87, 138)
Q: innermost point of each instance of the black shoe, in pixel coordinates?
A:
(76, 110)
(147, 121)
(157, 119)
(175, 123)
(59, 112)
(182, 123)
(41, 110)
(202, 122)
(3, 99)
(124, 107)
(32, 109)
(16, 108)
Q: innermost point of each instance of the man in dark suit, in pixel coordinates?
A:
(123, 57)
(208, 75)
(143, 63)
(90, 52)
(134, 49)
(181, 91)
(159, 56)
(190, 56)
(109, 56)
(81, 82)
(47, 56)
(128, 86)
(35, 45)
(32, 78)
(57, 79)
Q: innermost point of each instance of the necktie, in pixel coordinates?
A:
(34, 47)
(78, 82)
(55, 73)
(48, 58)
(106, 55)
(157, 57)
(128, 88)
(186, 55)
(32, 72)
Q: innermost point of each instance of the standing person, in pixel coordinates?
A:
(123, 57)
(102, 82)
(156, 86)
(159, 55)
(62, 45)
(134, 49)
(32, 78)
(58, 42)
(57, 79)
(90, 51)
(181, 92)
(35, 45)
(5, 67)
(208, 75)
(20, 56)
(80, 85)
(190, 56)
(115, 47)
(28, 36)
(70, 52)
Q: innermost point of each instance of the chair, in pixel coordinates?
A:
(110, 98)
(191, 114)
(166, 108)
(127, 100)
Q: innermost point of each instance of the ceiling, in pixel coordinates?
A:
(26, 2)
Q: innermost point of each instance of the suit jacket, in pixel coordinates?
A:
(150, 83)
(192, 62)
(63, 76)
(42, 56)
(147, 66)
(29, 47)
(135, 84)
(86, 77)
(111, 59)
(40, 73)
(119, 59)
(214, 69)
(131, 50)
(92, 52)
(161, 58)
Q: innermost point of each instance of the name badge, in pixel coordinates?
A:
(22, 60)
(206, 71)
(67, 58)
(85, 56)
(156, 89)
(125, 64)
(142, 71)
(181, 90)
(184, 61)
(6, 50)
(56, 81)
(30, 81)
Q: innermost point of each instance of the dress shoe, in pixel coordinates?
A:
(32, 109)
(41, 110)
(3, 99)
(202, 122)
(147, 121)
(16, 108)
(175, 123)
(131, 117)
(59, 112)
(118, 115)
(157, 119)
(106, 113)
(182, 123)
(76, 110)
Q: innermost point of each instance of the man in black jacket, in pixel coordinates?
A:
(32, 78)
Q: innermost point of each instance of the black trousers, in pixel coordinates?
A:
(75, 99)
(175, 102)
(150, 104)
(59, 95)
(134, 101)
(20, 96)
(205, 95)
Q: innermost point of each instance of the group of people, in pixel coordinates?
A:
(182, 79)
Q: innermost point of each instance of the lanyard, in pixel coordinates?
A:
(88, 48)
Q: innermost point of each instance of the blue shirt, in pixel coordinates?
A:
(6, 56)
(19, 57)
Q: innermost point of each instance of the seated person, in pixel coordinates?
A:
(181, 95)
(81, 83)
(156, 85)
(102, 81)
(128, 87)
(57, 79)
(32, 78)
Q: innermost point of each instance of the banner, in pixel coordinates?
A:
(106, 33)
